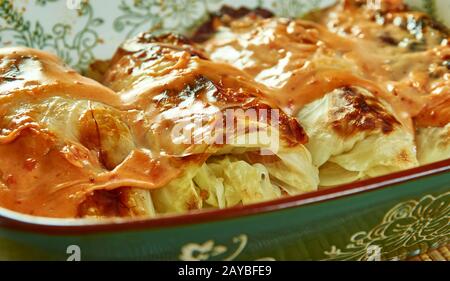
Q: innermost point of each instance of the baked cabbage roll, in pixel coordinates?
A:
(188, 107)
(66, 150)
(354, 131)
(354, 135)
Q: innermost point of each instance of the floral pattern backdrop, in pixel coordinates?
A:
(81, 30)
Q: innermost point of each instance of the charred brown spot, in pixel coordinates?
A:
(11, 68)
(360, 113)
(240, 12)
(105, 203)
(151, 43)
(386, 38)
(196, 90)
(225, 15)
(170, 38)
(145, 47)
(224, 97)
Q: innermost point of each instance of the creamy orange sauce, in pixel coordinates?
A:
(111, 140)
(31, 73)
(46, 173)
(300, 61)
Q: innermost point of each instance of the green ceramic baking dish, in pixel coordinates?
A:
(390, 217)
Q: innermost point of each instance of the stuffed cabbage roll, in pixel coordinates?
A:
(355, 136)
(187, 107)
(66, 150)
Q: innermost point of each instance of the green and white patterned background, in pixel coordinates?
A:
(80, 30)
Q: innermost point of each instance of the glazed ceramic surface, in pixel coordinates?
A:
(391, 217)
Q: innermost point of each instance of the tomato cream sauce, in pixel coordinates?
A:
(300, 61)
(154, 85)
(48, 174)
